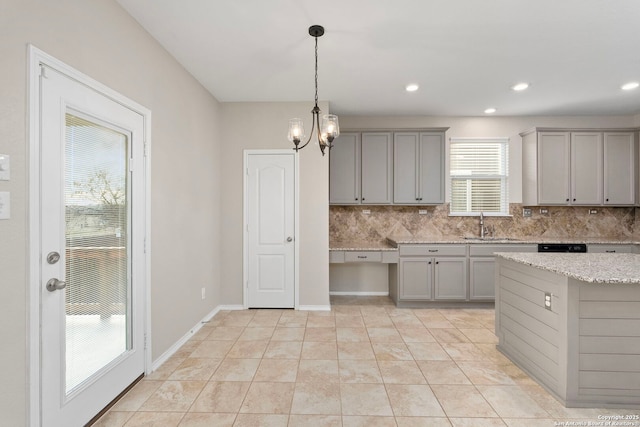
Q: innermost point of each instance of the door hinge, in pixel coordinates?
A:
(247, 171)
(145, 340)
(131, 167)
(247, 228)
(43, 71)
(145, 149)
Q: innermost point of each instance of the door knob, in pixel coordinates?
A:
(55, 285)
(289, 239)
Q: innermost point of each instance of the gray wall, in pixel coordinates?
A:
(100, 39)
(268, 130)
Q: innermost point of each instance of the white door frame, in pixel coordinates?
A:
(36, 57)
(245, 222)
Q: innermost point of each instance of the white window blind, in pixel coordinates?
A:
(479, 169)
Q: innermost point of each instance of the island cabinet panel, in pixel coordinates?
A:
(585, 347)
(609, 337)
(526, 329)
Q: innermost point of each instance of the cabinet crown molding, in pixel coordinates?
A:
(579, 129)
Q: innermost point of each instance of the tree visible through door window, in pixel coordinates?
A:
(479, 169)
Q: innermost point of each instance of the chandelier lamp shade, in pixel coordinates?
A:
(326, 130)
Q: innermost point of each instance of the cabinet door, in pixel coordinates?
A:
(376, 167)
(431, 168)
(553, 168)
(344, 170)
(619, 168)
(482, 279)
(416, 279)
(450, 278)
(586, 168)
(405, 168)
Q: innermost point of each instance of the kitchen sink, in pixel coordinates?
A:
(491, 239)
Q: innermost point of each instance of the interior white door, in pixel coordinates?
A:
(270, 230)
(92, 249)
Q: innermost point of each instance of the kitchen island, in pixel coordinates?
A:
(572, 321)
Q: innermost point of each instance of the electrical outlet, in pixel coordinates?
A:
(547, 300)
(526, 212)
(422, 211)
(544, 211)
(366, 211)
(204, 293)
(593, 211)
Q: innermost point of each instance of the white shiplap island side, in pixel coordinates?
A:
(583, 347)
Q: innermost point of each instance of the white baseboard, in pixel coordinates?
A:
(230, 307)
(356, 293)
(176, 346)
(314, 307)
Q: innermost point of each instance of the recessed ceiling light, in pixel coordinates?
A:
(411, 87)
(630, 86)
(520, 86)
(490, 111)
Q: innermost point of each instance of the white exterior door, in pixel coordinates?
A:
(91, 273)
(270, 227)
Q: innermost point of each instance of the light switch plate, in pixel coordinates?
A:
(5, 205)
(5, 167)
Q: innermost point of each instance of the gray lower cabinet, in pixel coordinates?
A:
(433, 279)
(482, 268)
(482, 278)
(431, 272)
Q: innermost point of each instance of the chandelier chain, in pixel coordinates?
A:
(316, 75)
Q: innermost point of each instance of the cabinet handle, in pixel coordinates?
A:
(429, 262)
(611, 252)
(363, 199)
(433, 250)
(362, 257)
(356, 198)
(573, 200)
(437, 262)
(566, 200)
(606, 200)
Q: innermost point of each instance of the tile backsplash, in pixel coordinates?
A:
(349, 223)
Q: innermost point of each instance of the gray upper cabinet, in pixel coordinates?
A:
(376, 166)
(360, 169)
(620, 173)
(586, 168)
(579, 167)
(344, 170)
(418, 168)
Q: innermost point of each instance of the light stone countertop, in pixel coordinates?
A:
(361, 246)
(393, 242)
(586, 267)
(499, 240)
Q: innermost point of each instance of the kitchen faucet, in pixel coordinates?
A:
(483, 229)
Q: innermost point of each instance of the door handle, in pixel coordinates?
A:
(55, 285)
(289, 239)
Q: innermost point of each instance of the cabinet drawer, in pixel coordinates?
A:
(433, 250)
(363, 256)
(620, 249)
(489, 250)
(336, 257)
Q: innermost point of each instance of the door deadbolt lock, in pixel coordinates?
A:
(53, 257)
(55, 285)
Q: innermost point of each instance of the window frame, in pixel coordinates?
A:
(504, 178)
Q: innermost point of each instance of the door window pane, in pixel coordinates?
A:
(96, 232)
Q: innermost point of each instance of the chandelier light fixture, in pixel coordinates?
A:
(326, 131)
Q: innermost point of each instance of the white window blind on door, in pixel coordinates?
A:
(479, 169)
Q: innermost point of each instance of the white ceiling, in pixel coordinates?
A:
(464, 54)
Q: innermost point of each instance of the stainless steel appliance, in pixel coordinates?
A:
(562, 247)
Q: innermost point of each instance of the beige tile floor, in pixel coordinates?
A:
(365, 363)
